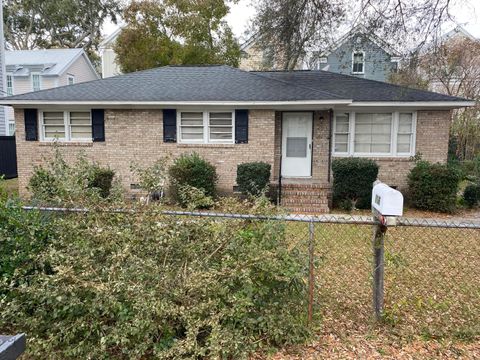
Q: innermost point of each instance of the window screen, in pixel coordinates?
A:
(373, 133)
(191, 126)
(342, 123)
(297, 147)
(53, 125)
(220, 126)
(80, 125)
(405, 132)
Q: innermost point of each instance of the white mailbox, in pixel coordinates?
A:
(386, 200)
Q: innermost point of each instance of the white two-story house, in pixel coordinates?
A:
(34, 70)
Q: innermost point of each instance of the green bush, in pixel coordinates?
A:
(353, 180)
(192, 170)
(153, 178)
(146, 285)
(471, 195)
(23, 236)
(101, 179)
(433, 187)
(60, 183)
(194, 198)
(253, 178)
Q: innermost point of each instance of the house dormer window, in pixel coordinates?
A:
(358, 62)
(71, 79)
(9, 84)
(36, 82)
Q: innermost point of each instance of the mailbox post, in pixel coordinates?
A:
(387, 205)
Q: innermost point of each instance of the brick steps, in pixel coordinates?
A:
(305, 198)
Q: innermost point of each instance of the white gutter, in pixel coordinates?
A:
(176, 103)
(413, 103)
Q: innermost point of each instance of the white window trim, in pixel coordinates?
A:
(353, 59)
(70, 77)
(39, 80)
(66, 124)
(206, 128)
(393, 138)
(6, 84)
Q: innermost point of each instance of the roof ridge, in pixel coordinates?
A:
(291, 84)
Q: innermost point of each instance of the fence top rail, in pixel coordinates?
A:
(324, 218)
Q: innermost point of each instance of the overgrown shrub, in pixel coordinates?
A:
(23, 236)
(433, 187)
(471, 195)
(153, 178)
(353, 180)
(146, 285)
(194, 198)
(192, 170)
(60, 183)
(253, 178)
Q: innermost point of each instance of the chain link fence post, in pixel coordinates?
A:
(378, 241)
(311, 270)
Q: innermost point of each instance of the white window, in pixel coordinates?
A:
(206, 127)
(11, 127)
(405, 133)
(66, 125)
(358, 62)
(9, 84)
(374, 134)
(341, 133)
(36, 82)
(71, 79)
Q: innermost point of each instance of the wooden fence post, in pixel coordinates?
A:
(311, 270)
(378, 241)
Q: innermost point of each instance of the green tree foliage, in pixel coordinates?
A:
(33, 24)
(160, 33)
(149, 286)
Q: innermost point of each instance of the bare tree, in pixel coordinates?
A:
(290, 27)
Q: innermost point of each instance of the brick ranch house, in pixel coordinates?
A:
(297, 121)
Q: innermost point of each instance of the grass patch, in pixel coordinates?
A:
(432, 281)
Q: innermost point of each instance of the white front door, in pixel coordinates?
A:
(297, 144)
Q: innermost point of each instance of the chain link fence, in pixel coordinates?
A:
(431, 271)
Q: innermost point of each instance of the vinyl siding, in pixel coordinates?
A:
(80, 70)
(109, 65)
(378, 64)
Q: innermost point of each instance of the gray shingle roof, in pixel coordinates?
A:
(223, 83)
(182, 83)
(355, 88)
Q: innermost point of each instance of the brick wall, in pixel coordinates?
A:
(137, 136)
(433, 127)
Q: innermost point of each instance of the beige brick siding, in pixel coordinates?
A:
(433, 127)
(137, 136)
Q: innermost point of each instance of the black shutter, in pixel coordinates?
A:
(98, 124)
(31, 124)
(169, 125)
(241, 126)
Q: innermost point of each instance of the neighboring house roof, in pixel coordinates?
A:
(51, 62)
(360, 29)
(110, 39)
(224, 85)
(357, 89)
(459, 29)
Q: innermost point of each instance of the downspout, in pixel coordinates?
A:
(279, 195)
(330, 113)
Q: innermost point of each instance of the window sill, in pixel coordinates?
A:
(377, 157)
(67, 144)
(186, 145)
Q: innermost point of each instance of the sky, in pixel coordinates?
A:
(466, 12)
